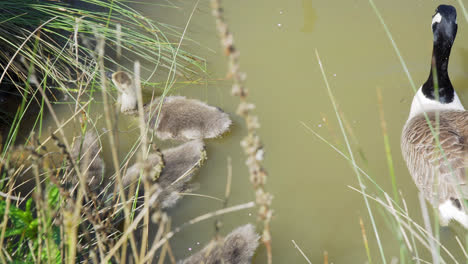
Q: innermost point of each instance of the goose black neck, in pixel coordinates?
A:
(439, 66)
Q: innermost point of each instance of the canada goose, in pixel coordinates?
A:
(180, 118)
(442, 182)
(180, 164)
(236, 248)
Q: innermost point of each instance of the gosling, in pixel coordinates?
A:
(176, 117)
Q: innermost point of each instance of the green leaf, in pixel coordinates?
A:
(53, 197)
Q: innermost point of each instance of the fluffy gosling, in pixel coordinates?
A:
(180, 164)
(180, 118)
(236, 248)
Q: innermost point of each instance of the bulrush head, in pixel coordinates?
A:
(179, 118)
(236, 248)
(86, 152)
(180, 164)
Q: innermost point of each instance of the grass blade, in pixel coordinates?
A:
(353, 161)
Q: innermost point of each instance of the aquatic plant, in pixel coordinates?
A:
(251, 144)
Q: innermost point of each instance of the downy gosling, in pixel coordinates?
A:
(237, 247)
(180, 118)
(180, 165)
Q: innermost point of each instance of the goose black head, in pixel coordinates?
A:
(444, 28)
(444, 24)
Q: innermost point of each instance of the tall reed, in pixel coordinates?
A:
(251, 143)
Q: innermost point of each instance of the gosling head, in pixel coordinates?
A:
(127, 95)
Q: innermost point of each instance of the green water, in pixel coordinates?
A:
(277, 39)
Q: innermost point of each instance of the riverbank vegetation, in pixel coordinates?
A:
(60, 203)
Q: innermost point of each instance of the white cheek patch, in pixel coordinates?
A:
(437, 18)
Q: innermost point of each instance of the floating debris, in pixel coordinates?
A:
(176, 117)
(237, 248)
(180, 164)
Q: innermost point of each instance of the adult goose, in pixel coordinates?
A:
(179, 118)
(438, 166)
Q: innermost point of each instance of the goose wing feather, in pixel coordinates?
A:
(426, 162)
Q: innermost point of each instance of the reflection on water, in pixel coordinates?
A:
(309, 16)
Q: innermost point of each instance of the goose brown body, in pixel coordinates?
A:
(439, 176)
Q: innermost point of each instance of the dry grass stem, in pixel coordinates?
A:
(364, 238)
(421, 234)
(302, 252)
(5, 219)
(325, 257)
(252, 145)
(115, 160)
(427, 225)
